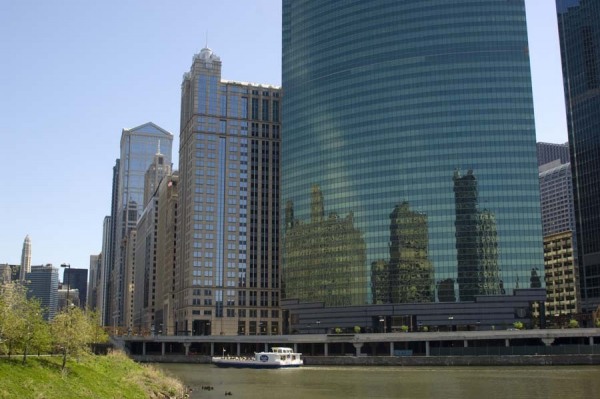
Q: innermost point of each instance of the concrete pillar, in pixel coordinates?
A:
(162, 348)
(296, 348)
(358, 346)
(266, 347)
(212, 348)
(186, 345)
(426, 348)
(144, 348)
(326, 349)
(507, 342)
(548, 341)
(466, 343)
(391, 349)
(239, 349)
(591, 340)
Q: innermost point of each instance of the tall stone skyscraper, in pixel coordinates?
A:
(228, 204)
(138, 148)
(25, 258)
(384, 102)
(579, 31)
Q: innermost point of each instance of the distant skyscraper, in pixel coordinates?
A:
(427, 104)
(77, 279)
(146, 247)
(228, 204)
(109, 251)
(26, 258)
(42, 283)
(94, 290)
(556, 196)
(138, 148)
(579, 31)
(548, 152)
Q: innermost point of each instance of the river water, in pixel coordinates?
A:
(324, 382)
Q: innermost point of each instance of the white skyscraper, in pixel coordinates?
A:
(25, 258)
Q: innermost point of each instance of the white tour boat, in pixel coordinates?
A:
(279, 357)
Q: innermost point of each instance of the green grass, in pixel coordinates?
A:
(113, 376)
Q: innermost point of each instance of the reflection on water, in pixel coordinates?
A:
(392, 382)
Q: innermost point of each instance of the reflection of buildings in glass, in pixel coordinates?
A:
(476, 242)
(408, 277)
(325, 258)
(445, 290)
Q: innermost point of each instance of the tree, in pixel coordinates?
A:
(13, 297)
(518, 325)
(32, 328)
(72, 332)
(573, 323)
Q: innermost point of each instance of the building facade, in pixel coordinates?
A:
(42, 284)
(77, 279)
(94, 288)
(579, 32)
(168, 274)
(138, 148)
(561, 275)
(25, 258)
(548, 152)
(228, 204)
(415, 121)
(556, 195)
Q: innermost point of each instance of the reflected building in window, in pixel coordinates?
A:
(325, 257)
(476, 242)
(408, 275)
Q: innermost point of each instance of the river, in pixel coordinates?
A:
(325, 382)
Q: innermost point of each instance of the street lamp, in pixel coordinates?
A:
(318, 322)
(450, 321)
(382, 321)
(66, 265)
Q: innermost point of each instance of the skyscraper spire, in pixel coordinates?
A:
(25, 259)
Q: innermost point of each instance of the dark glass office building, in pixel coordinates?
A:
(409, 170)
(579, 29)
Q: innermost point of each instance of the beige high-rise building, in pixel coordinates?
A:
(25, 258)
(561, 275)
(167, 272)
(228, 204)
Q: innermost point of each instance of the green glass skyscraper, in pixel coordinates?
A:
(409, 169)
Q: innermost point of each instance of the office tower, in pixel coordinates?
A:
(561, 275)
(94, 288)
(423, 104)
(579, 32)
(138, 148)
(168, 274)
(228, 204)
(77, 279)
(558, 225)
(42, 283)
(548, 152)
(556, 196)
(109, 235)
(144, 268)
(25, 258)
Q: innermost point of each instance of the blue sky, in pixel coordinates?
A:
(74, 73)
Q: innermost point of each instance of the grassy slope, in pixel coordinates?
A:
(113, 376)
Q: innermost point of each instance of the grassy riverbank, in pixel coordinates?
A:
(112, 376)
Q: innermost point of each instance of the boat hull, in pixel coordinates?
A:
(252, 364)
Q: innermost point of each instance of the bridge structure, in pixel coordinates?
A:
(538, 342)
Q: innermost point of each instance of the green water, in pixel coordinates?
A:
(392, 382)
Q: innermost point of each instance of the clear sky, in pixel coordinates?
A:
(74, 73)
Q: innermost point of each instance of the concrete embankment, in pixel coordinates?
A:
(524, 360)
